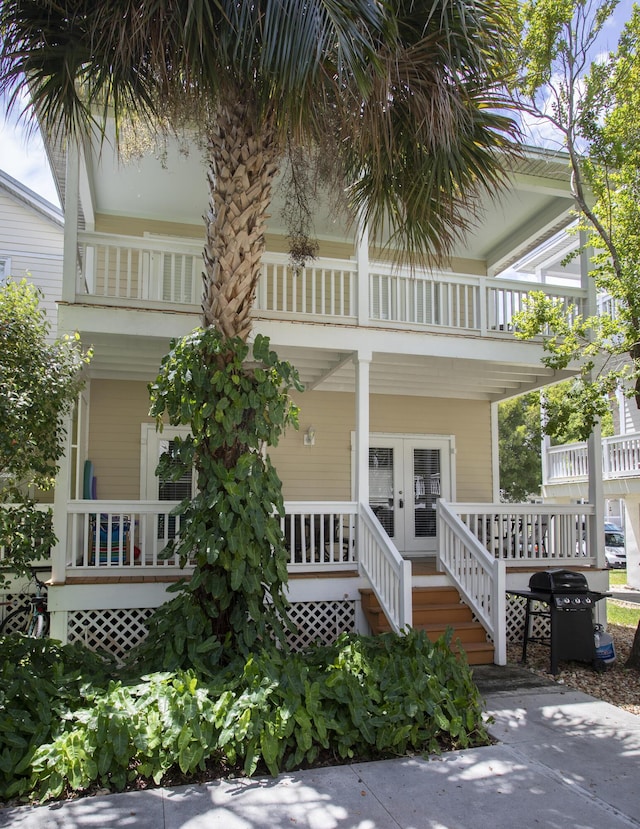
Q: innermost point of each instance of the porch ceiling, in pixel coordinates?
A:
(172, 188)
(138, 358)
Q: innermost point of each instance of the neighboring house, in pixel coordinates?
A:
(565, 468)
(31, 241)
(391, 482)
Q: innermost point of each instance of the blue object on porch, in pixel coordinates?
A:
(109, 540)
(88, 482)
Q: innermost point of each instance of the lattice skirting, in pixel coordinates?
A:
(117, 631)
(110, 631)
(516, 607)
(320, 622)
(10, 602)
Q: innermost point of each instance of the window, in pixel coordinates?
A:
(5, 268)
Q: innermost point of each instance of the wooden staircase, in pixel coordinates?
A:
(434, 610)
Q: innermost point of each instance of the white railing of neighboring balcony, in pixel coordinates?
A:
(620, 459)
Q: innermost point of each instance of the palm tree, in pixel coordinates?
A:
(403, 97)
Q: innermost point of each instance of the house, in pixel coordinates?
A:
(31, 242)
(31, 247)
(565, 468)
(391, 484)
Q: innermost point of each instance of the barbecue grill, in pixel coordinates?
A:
(568, 605)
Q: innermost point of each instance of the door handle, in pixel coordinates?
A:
(400, 503)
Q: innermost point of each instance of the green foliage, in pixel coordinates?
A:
(361, 698)
(592, 105)
(230, 529)
(41, 684)
(39, 383)
(519, 434)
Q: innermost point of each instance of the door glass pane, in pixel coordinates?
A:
(426, 484)
(381, 487)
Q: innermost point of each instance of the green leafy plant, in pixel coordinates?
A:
(236, 407)
(39, 384)
(41, 685)
(361, 698)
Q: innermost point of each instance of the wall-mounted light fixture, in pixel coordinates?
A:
(310, 436)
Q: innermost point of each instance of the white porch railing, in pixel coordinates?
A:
(620, 459)
(388, 573)
(105, 536)
(152, 272)
(479, 575)
(320, 535)
(524, 534)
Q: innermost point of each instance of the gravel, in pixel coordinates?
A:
(617, 685)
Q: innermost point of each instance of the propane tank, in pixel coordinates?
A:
(605, 650)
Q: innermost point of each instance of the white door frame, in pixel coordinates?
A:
(404, 490)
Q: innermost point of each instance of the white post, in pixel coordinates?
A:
(363, 361)
(60, 504)
(495, 453)
(362, 259)
(71, 209)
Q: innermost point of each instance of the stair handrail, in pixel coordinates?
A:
(386, 571)
(479, 576)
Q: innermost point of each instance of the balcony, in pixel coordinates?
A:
(620, 459)
(164, 274)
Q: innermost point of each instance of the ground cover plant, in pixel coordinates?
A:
(76, 726)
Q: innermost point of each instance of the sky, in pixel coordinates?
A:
(23, 157)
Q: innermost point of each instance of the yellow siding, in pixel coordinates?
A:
(320, 472)
(132, 226)
(323, 471)
(118, 407)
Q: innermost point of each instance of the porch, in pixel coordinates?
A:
(111, 573)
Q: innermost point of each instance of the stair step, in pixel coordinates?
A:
(434, 610)
(466, 632)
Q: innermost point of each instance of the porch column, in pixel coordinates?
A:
(362, 361)
(495, 454)
(631, 506)
(362, 259)
(594, 442)
(71, 210)
(60, 504)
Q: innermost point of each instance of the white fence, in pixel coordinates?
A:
(524, 534)
(152, 272)
(478, 574)
(620, 459)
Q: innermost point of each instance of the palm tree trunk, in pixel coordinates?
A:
(244, 155)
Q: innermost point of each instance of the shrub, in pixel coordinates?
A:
(362, 698)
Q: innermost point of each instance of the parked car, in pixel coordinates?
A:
(614, 549)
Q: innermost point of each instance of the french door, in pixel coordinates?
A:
(407, 475)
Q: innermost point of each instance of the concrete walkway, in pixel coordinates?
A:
(562, 760)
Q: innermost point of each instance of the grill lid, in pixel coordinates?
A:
(558, 581)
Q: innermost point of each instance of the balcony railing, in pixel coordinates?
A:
(156, 273)
(620, 459)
